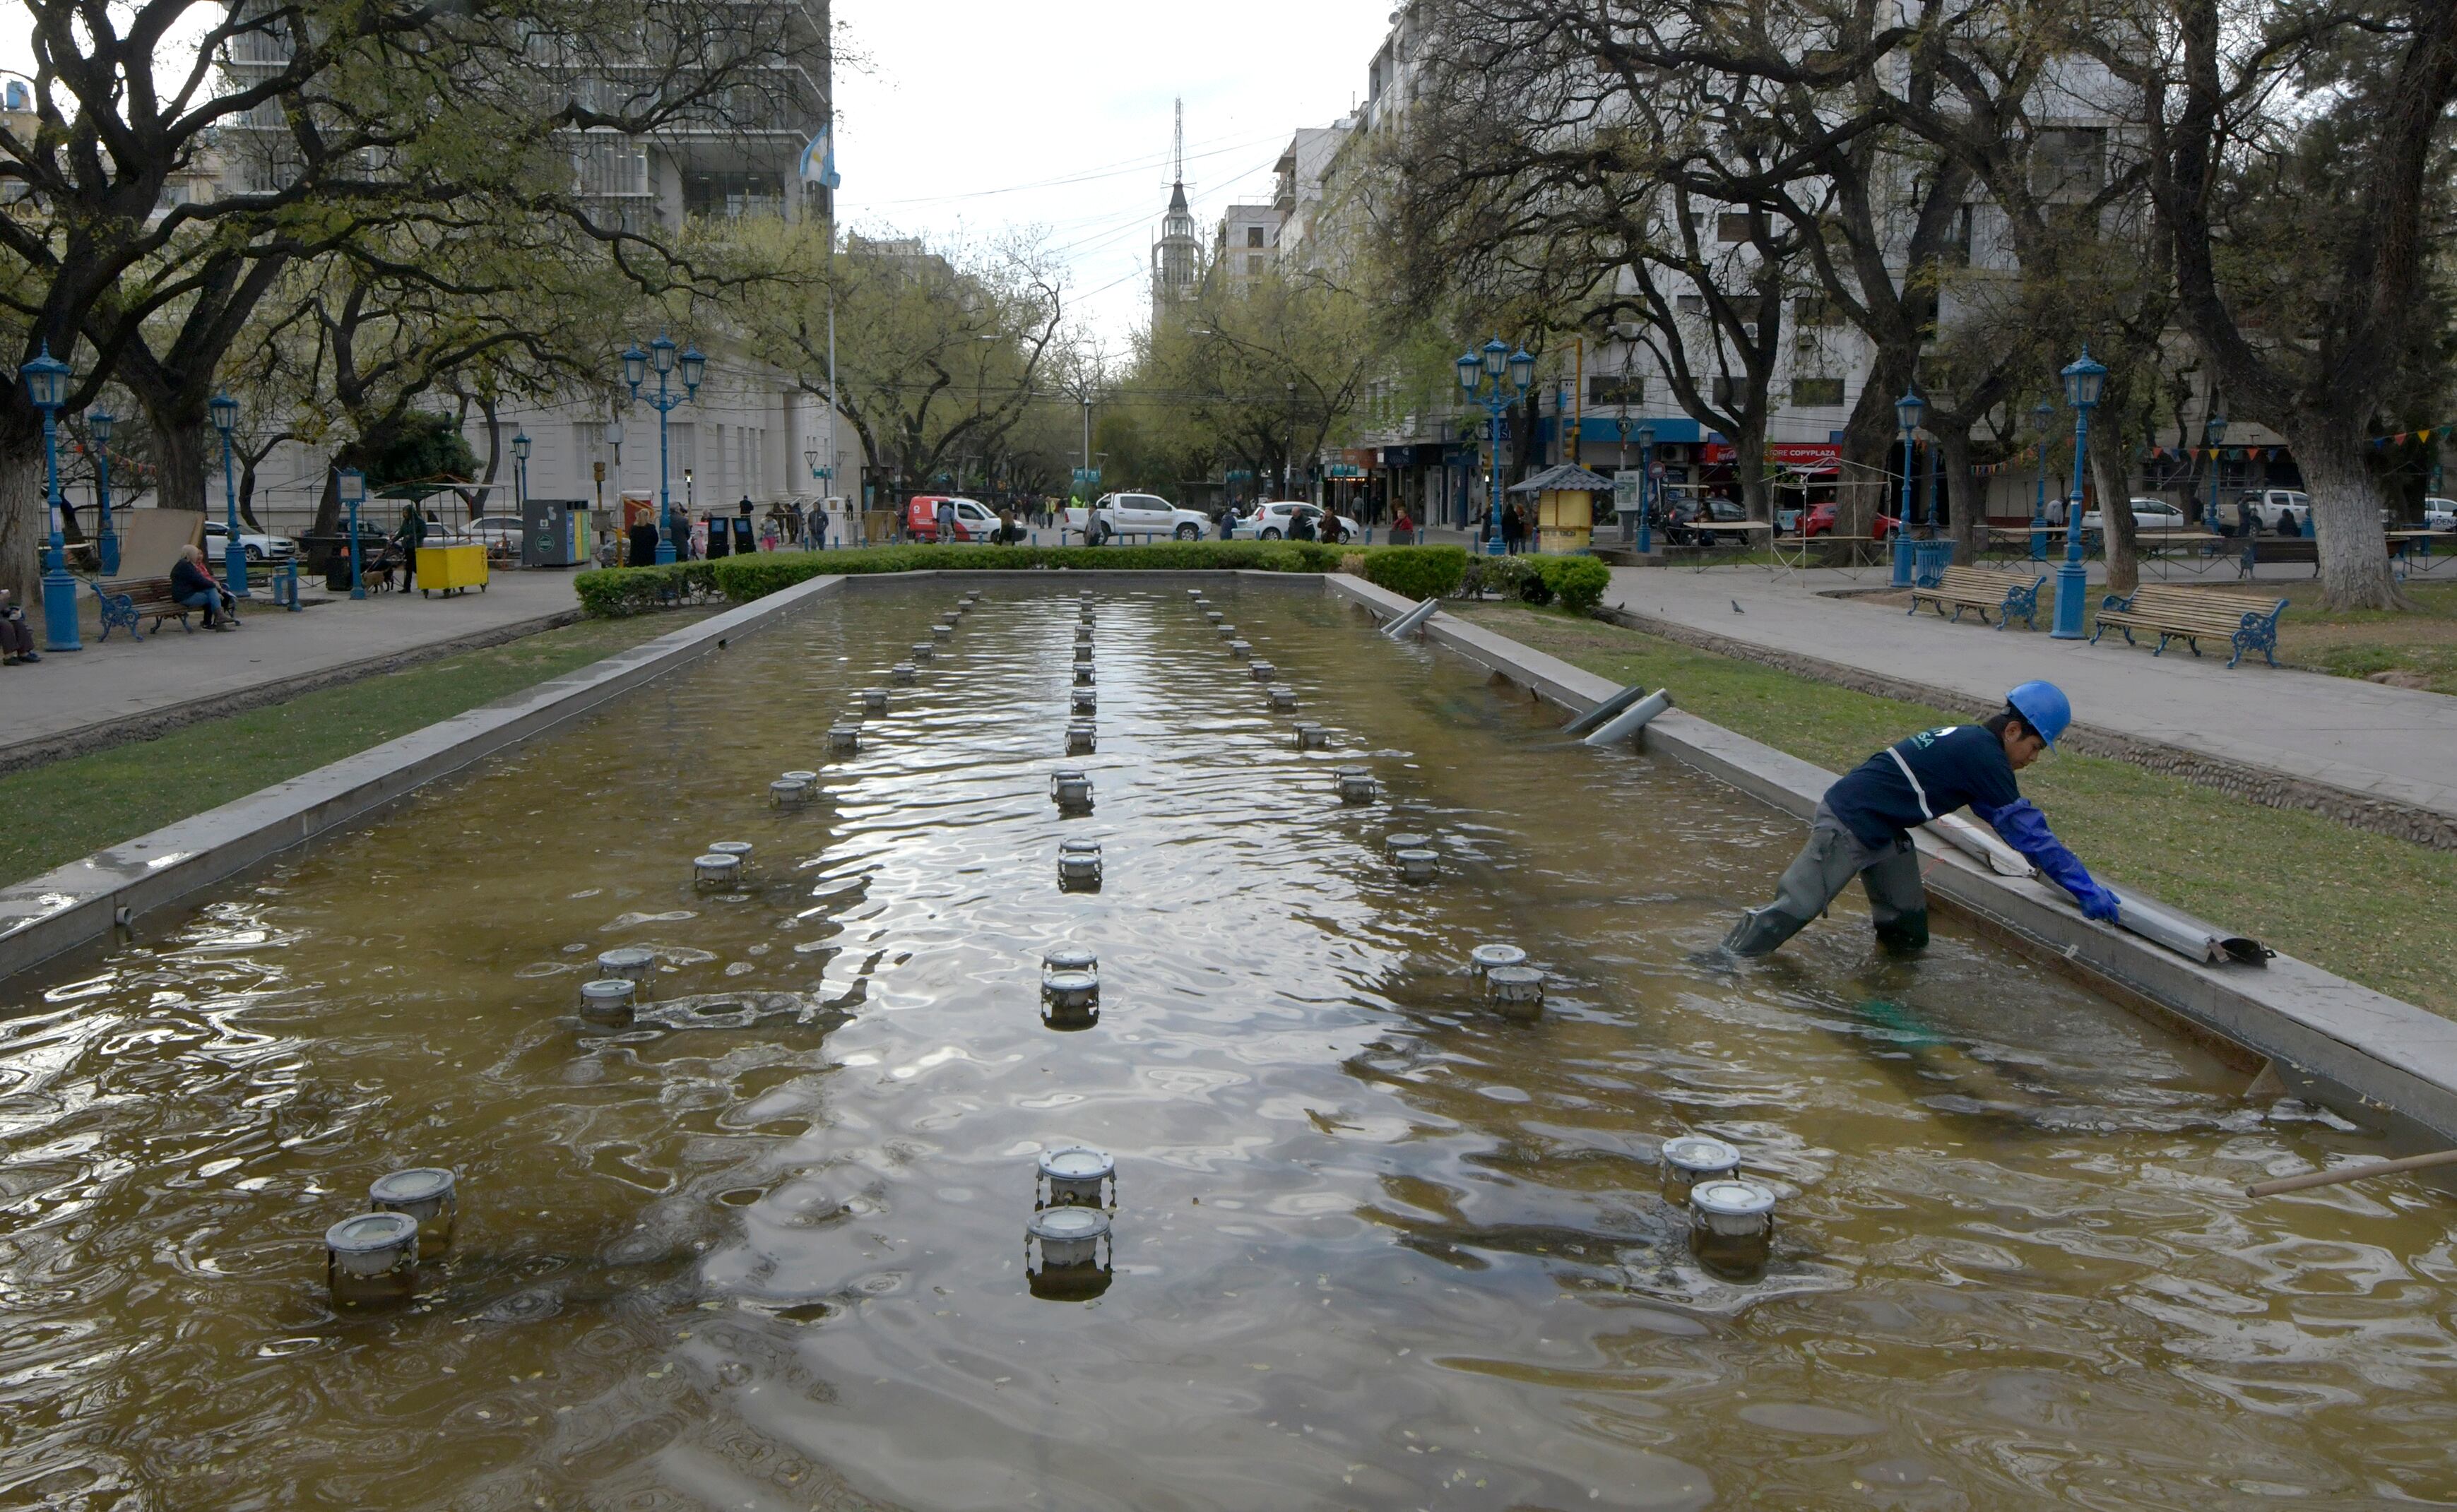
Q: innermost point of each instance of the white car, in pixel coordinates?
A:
(1148, 516)
(2440, 514)
(257, 546)
(498, 532)
(2272, 508)
(2148, 515)
(1270, 522)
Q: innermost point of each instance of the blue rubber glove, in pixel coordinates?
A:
(2021, 826)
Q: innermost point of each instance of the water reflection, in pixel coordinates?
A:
(1386, 1246)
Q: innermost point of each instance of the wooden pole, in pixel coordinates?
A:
(2330, 1178)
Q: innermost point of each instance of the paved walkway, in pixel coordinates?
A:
(2388, 743)
(168, 677)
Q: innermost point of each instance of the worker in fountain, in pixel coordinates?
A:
(1863, 825)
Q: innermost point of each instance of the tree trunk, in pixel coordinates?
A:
(1963, 504)
(24, 527)
(1748, 460)
(2345, 515)
(2114, 482)
(180, 456)
(247, 495)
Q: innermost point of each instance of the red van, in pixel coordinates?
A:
(974, 522)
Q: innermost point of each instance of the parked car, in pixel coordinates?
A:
(2148, 513)
(2440, 514)
(1821, 518)
(1137, 514)
(257, 546)
(499, 534)
(1270, 522)
(2270, 508)
(974, 521)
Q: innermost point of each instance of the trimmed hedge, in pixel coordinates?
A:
(1579, 583)
(1414, 572)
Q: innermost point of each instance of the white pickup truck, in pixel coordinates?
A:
(1130, 516)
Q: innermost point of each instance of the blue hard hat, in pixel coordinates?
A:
(2044, 707)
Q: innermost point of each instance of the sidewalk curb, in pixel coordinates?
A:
(125, 729)
(2371, 1051)
(2260, 785)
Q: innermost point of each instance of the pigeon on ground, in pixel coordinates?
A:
(1736, 607)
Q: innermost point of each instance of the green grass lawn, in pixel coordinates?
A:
(74, 808)
(2368, 908)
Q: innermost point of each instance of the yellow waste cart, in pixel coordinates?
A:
(453, 566)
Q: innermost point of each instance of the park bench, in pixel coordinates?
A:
(2277, 548)
(125, 600)
(1974, 588)
(2193, 615)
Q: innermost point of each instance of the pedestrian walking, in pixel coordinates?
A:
(408, 538)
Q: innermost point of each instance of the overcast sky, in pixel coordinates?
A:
(969, 118)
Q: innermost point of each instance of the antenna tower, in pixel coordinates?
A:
(1180, 154)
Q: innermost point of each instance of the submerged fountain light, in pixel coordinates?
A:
(1083, 655)
(1077, 1176)
(924, 651)
(1518, 990)
(1241, 649)
(1070, 788)
(942, 630)
(428, 1195)
(1083, 674)
(1485, 957)
(1079, 864)
(1393, 844)
(810, 781)
(786, 793)
(1083, 701)
(1311, 736)
(371, 1259)
(608, 1000)
(1083, 634)
(1418, 864)
(844, 737)
(1282, 696)
(1082, 737)
(1068, 1254)
(1691, 1160)
(1731, 1228)
(742, 848)
(1355, 784)
(1222, 627)
(1262, 671)
(903, 672)
(874, 701)
(713, 871)
(629, 963)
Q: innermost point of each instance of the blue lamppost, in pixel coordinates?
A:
(2084, 380)
(2213, 434)
(2041, 414)
(1645, 489)
(636, 365)
(1906, 415)
(1482, 380)
(351, 486)
(106, 539)
(225, 412)
(47, 384)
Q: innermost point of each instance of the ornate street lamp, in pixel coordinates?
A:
(1907, 416)
(2213, 435)
(350, 486)
(1481, 379)
(106, 537)
(636, 365)
(2084, 382)
(47, 385)
(225, 412)
(2041, 414)
(521, 472)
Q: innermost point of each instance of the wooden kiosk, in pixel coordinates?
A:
(1565, 506)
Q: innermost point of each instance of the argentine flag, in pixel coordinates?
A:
(819, 160)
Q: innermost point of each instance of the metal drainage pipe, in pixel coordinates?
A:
(1411, 620)
(1631, 719)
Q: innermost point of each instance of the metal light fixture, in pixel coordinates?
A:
(225, 410)
(350, 487)
(661, 353)
(106, 539)
(1496, 357)
(1907, 416)
(635, 368)
(694, 368)
(2084, 382)
(47, 385)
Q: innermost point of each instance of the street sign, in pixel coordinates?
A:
(1088, 477)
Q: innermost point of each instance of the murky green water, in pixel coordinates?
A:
(1375, 1246)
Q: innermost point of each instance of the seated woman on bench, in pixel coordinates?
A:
(195, 589)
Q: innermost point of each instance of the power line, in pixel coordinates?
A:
(1131, 165)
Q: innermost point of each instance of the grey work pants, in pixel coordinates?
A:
(1897, 903)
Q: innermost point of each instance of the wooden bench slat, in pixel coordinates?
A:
(2175, 613)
